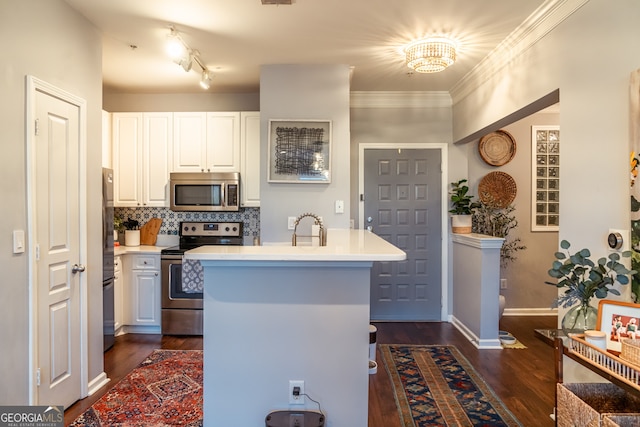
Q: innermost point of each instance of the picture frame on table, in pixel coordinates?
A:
(618, 319)
(299, 151)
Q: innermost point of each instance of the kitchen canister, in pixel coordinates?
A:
(132, 237)
(373, 365)
(596, 339)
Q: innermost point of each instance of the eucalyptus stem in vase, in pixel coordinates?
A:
(583, 280)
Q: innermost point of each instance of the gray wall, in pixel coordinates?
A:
(57, 45)
(594, 177)
(526, 275)
(301, 92)
(159, 102)
(426, 122)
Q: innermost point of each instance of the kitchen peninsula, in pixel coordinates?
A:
(278, 313)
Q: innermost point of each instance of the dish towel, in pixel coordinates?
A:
(192, 276)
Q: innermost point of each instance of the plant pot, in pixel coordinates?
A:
(132, 238)
(580, 318)
(461, 224)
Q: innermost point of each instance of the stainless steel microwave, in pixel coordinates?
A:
(200, 191)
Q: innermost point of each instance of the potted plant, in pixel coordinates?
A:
(584, 279)
(498, 222)
(462, 207)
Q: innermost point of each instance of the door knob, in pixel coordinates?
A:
(77, 268)
(369, 219)
(369, 228)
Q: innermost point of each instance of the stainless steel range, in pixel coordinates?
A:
(182, 299)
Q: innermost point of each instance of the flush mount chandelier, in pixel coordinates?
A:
(185, 57)
(430, 55)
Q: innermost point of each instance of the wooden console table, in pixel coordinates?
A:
(556, 339)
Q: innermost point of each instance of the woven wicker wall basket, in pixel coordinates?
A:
(497, 189)
(497, 148)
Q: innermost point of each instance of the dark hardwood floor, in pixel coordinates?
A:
(522, 378)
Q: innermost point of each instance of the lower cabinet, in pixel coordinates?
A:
(142, 294)
(118, 292)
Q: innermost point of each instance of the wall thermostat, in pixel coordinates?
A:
(615, 240)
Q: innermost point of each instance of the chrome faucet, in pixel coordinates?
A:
(318, 221)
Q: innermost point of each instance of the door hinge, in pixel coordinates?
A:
(362, 197)
(37, 128)
(38, 377)
(37, 251)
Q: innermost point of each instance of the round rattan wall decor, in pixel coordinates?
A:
(497, 189)
(497, 148)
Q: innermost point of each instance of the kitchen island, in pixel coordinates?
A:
(275, 314)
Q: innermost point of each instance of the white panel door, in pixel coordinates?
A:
(223, 142)
(57, 239)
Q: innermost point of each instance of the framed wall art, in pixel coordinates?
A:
(299, 151)
(619, 320)
(545, 179)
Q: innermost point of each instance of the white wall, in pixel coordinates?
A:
(302, 92)
(589, 57)
(57, 45)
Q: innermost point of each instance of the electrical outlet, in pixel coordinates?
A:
(291, 222)
(503, 283)
(299, 399)
(296, 420)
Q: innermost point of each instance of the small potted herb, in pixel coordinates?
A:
(462, 207)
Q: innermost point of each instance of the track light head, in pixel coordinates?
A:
(205, 81)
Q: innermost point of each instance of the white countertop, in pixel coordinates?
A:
(143, 249)
(342, 245)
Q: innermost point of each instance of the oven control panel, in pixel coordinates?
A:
(226, 229)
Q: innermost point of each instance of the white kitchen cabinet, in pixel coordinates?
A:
(107, 158)
(250, 158)
(143, 293)
(206, 142)
(141, 158)
(118, 291)
(189, 142)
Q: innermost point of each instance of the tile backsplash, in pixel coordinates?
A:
(250, 217)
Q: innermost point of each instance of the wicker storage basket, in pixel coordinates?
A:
(630, 350)
(586, 404)
(627, 420)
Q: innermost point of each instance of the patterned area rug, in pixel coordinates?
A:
(164, 390)
(436, 386)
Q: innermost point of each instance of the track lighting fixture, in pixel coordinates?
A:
(205, 81)
(184, 56)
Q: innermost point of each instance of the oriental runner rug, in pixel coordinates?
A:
(437, 386)
(164, 390)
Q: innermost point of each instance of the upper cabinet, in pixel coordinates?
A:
(206, 142)
(141, 160)
(250, 162)
(147, 147)
(107, 158)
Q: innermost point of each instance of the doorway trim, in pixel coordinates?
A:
(35, 85)
(443, 148)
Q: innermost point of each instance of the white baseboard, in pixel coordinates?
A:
(530, 312)
(96, 383)
(482, 344)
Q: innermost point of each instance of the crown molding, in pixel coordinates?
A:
(547, 17)
(400, 99)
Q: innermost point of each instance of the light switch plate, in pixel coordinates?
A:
(18, 241)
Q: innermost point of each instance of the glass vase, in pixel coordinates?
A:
(580, 318)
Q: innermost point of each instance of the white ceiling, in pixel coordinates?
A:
(235, 37)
